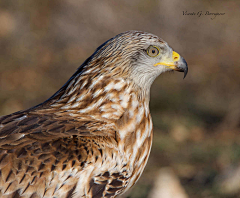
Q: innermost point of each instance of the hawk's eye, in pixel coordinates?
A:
(152, 51)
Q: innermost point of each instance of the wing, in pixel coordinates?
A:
(23, 128)
(108, 185)
(40, 154)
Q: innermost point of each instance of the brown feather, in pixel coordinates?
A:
(92, 138)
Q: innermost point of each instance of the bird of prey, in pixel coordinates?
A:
(93, 137)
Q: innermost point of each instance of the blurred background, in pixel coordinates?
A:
(196, 148)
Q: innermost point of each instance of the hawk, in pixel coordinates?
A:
(93, 137)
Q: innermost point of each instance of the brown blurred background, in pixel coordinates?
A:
(196, 148)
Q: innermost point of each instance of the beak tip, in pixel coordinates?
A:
(185, 72)
(184, 67)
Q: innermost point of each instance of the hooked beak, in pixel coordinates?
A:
(176, 63)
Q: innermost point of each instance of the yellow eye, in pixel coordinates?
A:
(152, 51)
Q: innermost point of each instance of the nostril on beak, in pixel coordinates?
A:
(175, 56)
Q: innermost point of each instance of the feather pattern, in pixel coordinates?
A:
(93, 137)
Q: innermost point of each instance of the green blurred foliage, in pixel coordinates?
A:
(196, 120)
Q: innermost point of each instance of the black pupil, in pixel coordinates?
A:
(153, 51)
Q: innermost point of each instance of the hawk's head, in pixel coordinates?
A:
(135, 55)
(131, 59)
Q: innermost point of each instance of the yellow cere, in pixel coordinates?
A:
(175, 57)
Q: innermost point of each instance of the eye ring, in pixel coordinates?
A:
(153, 51)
